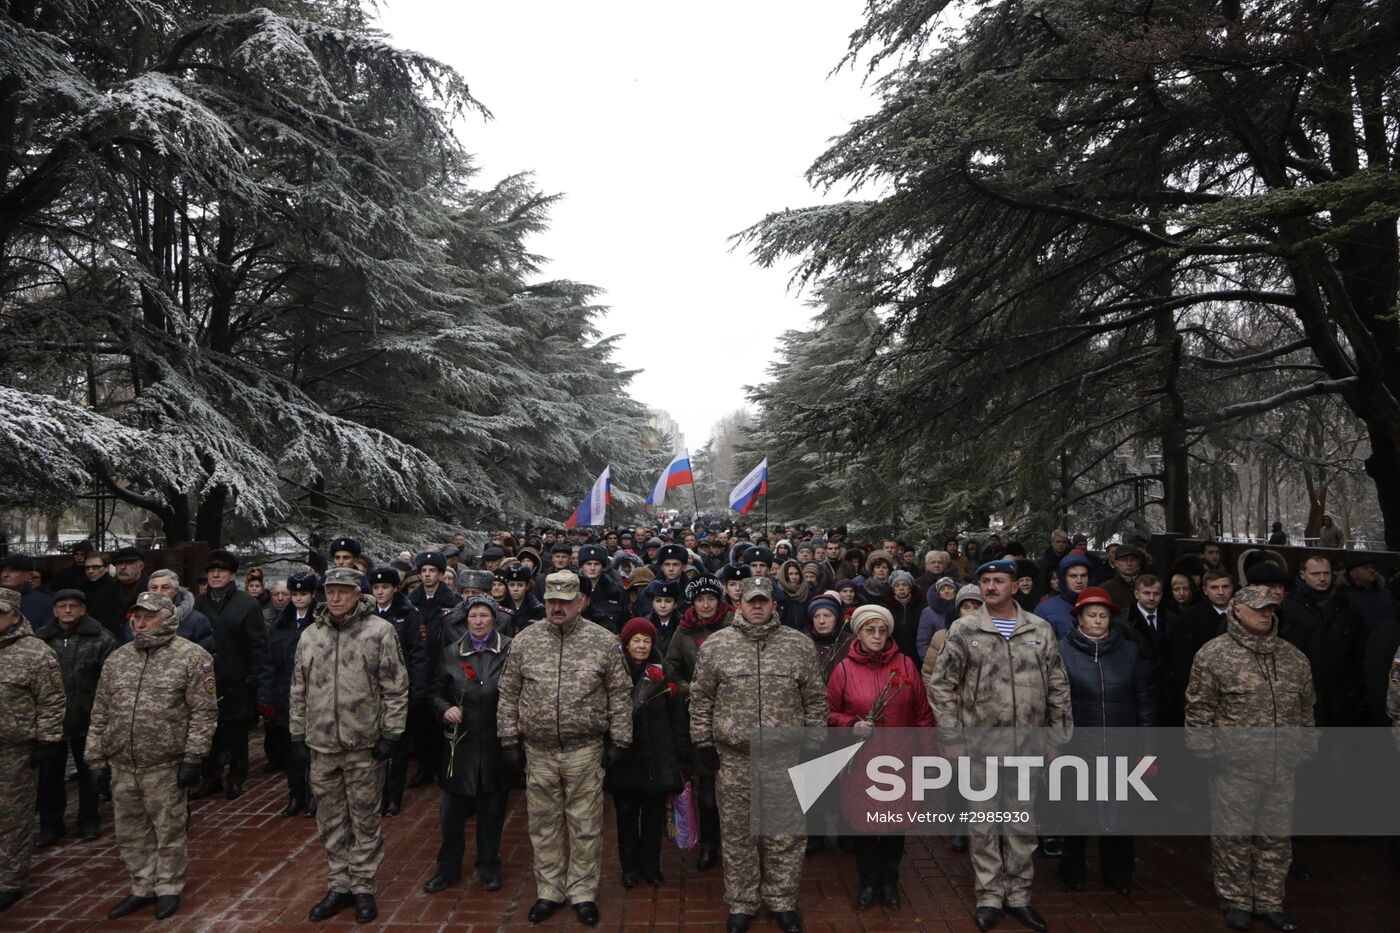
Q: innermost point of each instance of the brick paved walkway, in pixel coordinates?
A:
(252, 870)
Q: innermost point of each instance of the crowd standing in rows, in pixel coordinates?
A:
(634, 661)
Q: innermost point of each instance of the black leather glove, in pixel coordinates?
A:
(513, 760)
(384, 749)
(188, 775)
(708, 756)
(48, 753)
(298, 756)
(611, 755)
(102, 780)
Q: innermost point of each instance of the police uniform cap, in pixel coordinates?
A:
(671, 588)
(385, 575)
(519, 573)
(592, 552)
(430, 559)
(758, 555)
(303, 583)
(672, 552)
(734, 572)
(349, 545)
(476, 580)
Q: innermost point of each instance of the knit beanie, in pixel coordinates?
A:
(969, 591)
(825, 601)
(870, 613)
(901, 576)
(637, 626)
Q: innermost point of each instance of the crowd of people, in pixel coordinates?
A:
(633, 663)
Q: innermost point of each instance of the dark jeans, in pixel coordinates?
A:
(641, 825)
(878, 858)
(490, 813)
(708, 809)
(230, 748)
(424, 736)
(1116, 860)
(279, 740)
(397, 777)
(53, 792)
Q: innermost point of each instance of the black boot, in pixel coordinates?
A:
(129, 905)
(334, 903)
(1278, 920)
(865, 897)
(311, 808)
(738, 923)
(166, 905)
(708, 856)
(439, 882)
(1236, 918)
(294, 806)
(587, 913)
(788, 921)
(365, 908)
(986, 918)
(890, 895)
(541, 910)
(1028, 917)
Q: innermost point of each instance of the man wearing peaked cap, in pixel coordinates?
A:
(566, 695)
(349, 710)
(607, 600)
(275, 685)
(525, 607)
(434, 601)
(393, 607)
(239, 637)
(32, 703)
(153, 722)
(344, 551)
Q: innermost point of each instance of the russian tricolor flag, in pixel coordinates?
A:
(593, 510)
(744, 495)
(677, 473)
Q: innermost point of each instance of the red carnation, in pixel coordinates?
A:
(468, 670)
(654, 672)
(672, 689)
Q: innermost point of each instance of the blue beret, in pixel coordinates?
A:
(1007, 567)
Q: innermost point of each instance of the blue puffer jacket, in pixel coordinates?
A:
(1109, 683)
(1058, 609)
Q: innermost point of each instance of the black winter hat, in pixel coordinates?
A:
(430, 559)
(346, 544)
(758, 554)
(493, 553)
(220, 559)
(125, 554)
(670, 588)
(673, 552)
(385, 575)
(1266, 572)
(734, 572)
(592, 552)
(79, 595)
(517, 573)
(303, 583)
(711, 585)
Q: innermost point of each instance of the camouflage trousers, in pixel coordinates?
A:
(564, 800)
(757, 869)
(151, 820)
(349, 788)
(18, 794)
(1003, 866)
(1250, 870)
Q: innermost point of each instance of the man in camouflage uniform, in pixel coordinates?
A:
(984, 679)
(349, 708)
(755, 665)
(1250, 679)
(564, 691)
(1392, 699)
(31, 735)
(153, 721)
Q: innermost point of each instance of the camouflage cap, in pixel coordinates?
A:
(1255, 597)
(9, 600)
(343, 576)
(155, 602)
(561, 585)
(755, 588)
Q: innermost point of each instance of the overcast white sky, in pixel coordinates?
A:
(667, 127)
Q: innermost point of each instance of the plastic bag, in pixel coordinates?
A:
(682, 819)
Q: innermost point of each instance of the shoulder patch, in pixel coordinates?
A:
(207, 667)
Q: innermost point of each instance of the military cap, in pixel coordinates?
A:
(303, 583)
(155, 602)
(562, 584)
(476, 580)
(349, 545)
(9, 600)
(343, 576)
(758, 554)
(385, 575)
(671, 588)
(734, 572)
(755, 588)
(220, 559)
(79, 595)
(493, 553)
(126, 555)
(1255, 597)
(673, 552)
(706, 584)
(518, 573)
(592, 552)
(1007, 567)
(430, 559)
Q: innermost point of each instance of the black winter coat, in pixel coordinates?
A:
(279, 653)
(474, 766)
(413, 640)
(1109, 681)
(432, 623)
(906, 622)
(109, 603)
(530, 611)
(81, 655)
(660, 736)
(239, 637)
(1328, 630)
(664, 632)
(607, 603)
(1186, 635)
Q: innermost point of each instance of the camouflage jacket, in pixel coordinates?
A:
(349, 682)
(1392, 698)
(985, 680)
(81, 655)
(754, 676)
(156, 704)
(1241, 681)
(31, 689)
(565, 686)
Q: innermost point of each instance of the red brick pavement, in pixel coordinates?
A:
(252, 870)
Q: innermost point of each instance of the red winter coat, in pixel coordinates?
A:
(850, 692)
